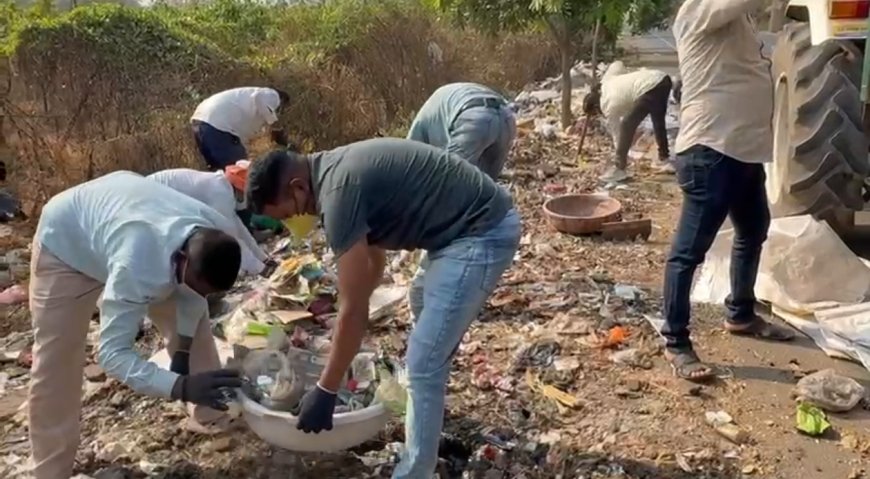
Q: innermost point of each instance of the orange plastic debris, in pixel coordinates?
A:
(615, 337)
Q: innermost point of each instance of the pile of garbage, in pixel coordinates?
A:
(300, 297)
(278, 376)
(280, 331)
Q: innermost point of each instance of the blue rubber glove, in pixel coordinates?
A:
(315, 415)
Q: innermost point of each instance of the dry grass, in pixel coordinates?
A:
(71, 114)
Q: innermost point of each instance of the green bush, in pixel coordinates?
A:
(105, 86)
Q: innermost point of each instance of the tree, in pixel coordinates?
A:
(566, 20)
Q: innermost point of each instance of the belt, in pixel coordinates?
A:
(487, 102)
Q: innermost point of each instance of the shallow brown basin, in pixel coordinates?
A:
(581, 213)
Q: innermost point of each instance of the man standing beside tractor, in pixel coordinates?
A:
(721, 152)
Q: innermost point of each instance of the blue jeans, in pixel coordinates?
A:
(714, 187)
(484, 136)
(219, 148)
(447, 297)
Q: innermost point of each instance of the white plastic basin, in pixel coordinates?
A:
(279, 428)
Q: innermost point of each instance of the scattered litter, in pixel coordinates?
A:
(627, 292)
(616, 336)
(723, 424)
(384, 300)
(550, 437)
(566, 363)
(537, 355)
(683, 463)
(631, 357)
(811, 420)
(562, 399)
(10, 207)
(547, 131)
(94, 373)
(273, 382)
(626, 230)
(829, 391)
(392, 390)
(564, 323)
(13, 295)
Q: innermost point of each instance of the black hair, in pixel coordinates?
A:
(592, 100)
(266, 175)
(282, 96)
(215, 257)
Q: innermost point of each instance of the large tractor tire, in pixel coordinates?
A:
(820, 153)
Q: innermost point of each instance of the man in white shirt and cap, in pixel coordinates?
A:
(145, 249)
(626, 99)
(224, 191)
(225, 121)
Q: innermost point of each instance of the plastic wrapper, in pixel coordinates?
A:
(236, 327)
(830, 391)
(392, 388)
(270, 378)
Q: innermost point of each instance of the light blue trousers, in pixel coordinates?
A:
(483, 136)
(448, 292)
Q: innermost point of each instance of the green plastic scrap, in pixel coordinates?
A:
(811, 420)
(391, 392)
(258, 329)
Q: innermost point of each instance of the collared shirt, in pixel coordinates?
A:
(620, 89)
(216, 191)
(727, 100)
(123, 230)
(240, 111)
(402, 194)
(434, 122)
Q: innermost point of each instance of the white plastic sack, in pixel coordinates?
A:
(804, 266)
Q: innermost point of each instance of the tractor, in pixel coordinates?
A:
(821, 117)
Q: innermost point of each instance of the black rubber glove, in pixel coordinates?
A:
(315, 415)
(181, 358)
(180, 363)
(205, 389)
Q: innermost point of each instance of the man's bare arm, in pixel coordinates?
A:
(377, 264)
(354, 286)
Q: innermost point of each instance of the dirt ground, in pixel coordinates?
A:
(546, 324)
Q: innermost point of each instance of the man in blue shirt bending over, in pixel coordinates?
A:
(149, 250)
(469, 120)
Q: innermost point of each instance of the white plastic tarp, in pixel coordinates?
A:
(811, 278)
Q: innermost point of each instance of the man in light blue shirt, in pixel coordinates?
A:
(148, 250)
(469, 120)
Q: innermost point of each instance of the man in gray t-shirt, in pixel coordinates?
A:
(392, 194)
